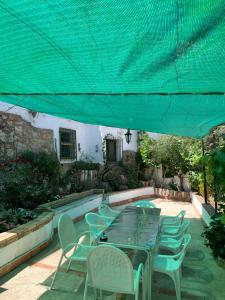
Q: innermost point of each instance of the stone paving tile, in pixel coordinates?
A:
(202, 278)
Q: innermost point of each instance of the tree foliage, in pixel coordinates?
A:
(177, 155)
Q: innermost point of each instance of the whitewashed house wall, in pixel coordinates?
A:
(89, 137)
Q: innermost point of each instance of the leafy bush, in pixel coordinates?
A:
(113, 176)
(29, 180)
(196, 180)
(83, 165)
(132, 174)
(215, 234)
(215, 166)
(75, 173)
(13, 217)
(13, 184)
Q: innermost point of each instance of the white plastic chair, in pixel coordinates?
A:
(110, 269)
(171, 265)
(106, 211)
(145, 203)
(175, 231)
(97, 223)
(71, 250)
(173, 220)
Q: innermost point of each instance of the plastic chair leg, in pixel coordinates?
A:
(53, 280)
(68, 266)
(95, 294)
(176, 278)
(136, 295)
(85, 288)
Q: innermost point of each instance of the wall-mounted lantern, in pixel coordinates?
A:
(96, 148)
(128, 135)
(79, 147)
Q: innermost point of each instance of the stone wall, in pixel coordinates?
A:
(18, 135)
(129, 157)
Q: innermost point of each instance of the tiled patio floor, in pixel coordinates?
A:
(202, 277)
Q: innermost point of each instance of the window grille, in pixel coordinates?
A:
(67, 143)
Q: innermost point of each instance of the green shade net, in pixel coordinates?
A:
(144, 64)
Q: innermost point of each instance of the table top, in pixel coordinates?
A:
(134, 228)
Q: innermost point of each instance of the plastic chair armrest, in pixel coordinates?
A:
(140, 270)
(173, 256)
(84, 233)
(68, 248)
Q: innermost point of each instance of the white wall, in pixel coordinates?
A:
(118, 133)
(25, 244)
(90, 137)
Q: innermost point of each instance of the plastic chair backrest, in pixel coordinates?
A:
(181, 254)
(95, 219)
(110, 269)
(144, 204)
(66, 232)
(181, 215)
(103, 209)
(184, 227)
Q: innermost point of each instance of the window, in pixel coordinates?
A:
(67, 138)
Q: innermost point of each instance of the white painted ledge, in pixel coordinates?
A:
(129, 194)
(25, 244)
(200, 209)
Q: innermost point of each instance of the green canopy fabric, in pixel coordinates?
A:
(140, 64)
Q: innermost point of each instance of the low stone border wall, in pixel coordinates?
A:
(119, 198)
(172, 195)
(23, 242)
(198, 203)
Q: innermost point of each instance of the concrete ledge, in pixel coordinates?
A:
(119, 198)
(198, 203)
(17, 233)
(23, 242)
(21, 259)
(69, 199)
(78, 208)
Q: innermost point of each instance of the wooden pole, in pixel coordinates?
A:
(204, 175)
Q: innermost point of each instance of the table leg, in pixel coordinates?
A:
(149, 276)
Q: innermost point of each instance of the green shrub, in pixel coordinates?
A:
(196, 180)
(29, 180)
(74, 176)
(132, 174)
(83, 165)
(14, 217)
(215, 235)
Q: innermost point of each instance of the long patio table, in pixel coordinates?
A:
(136, 228)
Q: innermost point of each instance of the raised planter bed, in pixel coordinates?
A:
(75, 205)
(21, 243)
